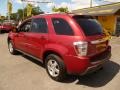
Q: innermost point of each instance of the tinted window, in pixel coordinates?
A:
(90, 26)
(25, 27)
(39, 25)
(62, 27)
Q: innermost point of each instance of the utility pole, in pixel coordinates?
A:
(8, 14)
(23, 11)
(9, 8)
(91, 2)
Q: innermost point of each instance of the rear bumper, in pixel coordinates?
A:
(84, 65)
(96, 65)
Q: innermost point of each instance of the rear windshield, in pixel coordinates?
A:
(90, 26)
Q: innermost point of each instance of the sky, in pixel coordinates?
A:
(46, 7)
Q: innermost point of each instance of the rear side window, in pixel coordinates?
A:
(39, 25)
(90, 26)
(62, 27)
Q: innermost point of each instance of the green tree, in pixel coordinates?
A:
(19, 14)
(36, 11)
(54, 9)
(61, 9)
(13, 16)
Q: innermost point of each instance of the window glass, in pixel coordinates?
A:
(25, 27)
(118, 26)
(62, 27)
(90, 26)
(39, 25)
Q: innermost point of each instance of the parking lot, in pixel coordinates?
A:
(24, 73)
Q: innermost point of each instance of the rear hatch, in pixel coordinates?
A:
(97, 42)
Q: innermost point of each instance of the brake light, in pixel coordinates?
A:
(81, 47)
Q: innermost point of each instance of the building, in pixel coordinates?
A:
(108, 15)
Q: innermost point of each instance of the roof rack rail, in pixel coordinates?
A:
(57, 13)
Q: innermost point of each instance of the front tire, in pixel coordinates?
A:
(55, 67)
(11, 48)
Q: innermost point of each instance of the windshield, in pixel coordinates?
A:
(90, 26)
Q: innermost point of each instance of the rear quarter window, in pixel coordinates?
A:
(62, 27)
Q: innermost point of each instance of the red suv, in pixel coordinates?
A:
(65, 43)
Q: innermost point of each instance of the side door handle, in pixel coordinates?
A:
(43, 38)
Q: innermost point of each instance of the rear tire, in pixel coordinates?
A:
(55, 67)
(11, 48)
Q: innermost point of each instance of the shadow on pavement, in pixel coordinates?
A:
(96, 79)
(99, 78)
(33, 60)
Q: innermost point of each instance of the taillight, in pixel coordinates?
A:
(81, 48)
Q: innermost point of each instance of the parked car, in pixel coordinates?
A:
(64, 43)
(7, 26)
(0, 23)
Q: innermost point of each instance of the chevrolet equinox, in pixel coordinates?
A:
(64, 43)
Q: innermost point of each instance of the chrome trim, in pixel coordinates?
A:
(95, 65)
(30, 55)
(103, 60)
(99, 40)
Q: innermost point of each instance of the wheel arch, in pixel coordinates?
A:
(48, 52)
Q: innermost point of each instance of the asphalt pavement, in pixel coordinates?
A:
(19, 72)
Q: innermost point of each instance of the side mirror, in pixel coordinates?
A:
(15, 29)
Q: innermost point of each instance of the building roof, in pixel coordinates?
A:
(108, 9)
